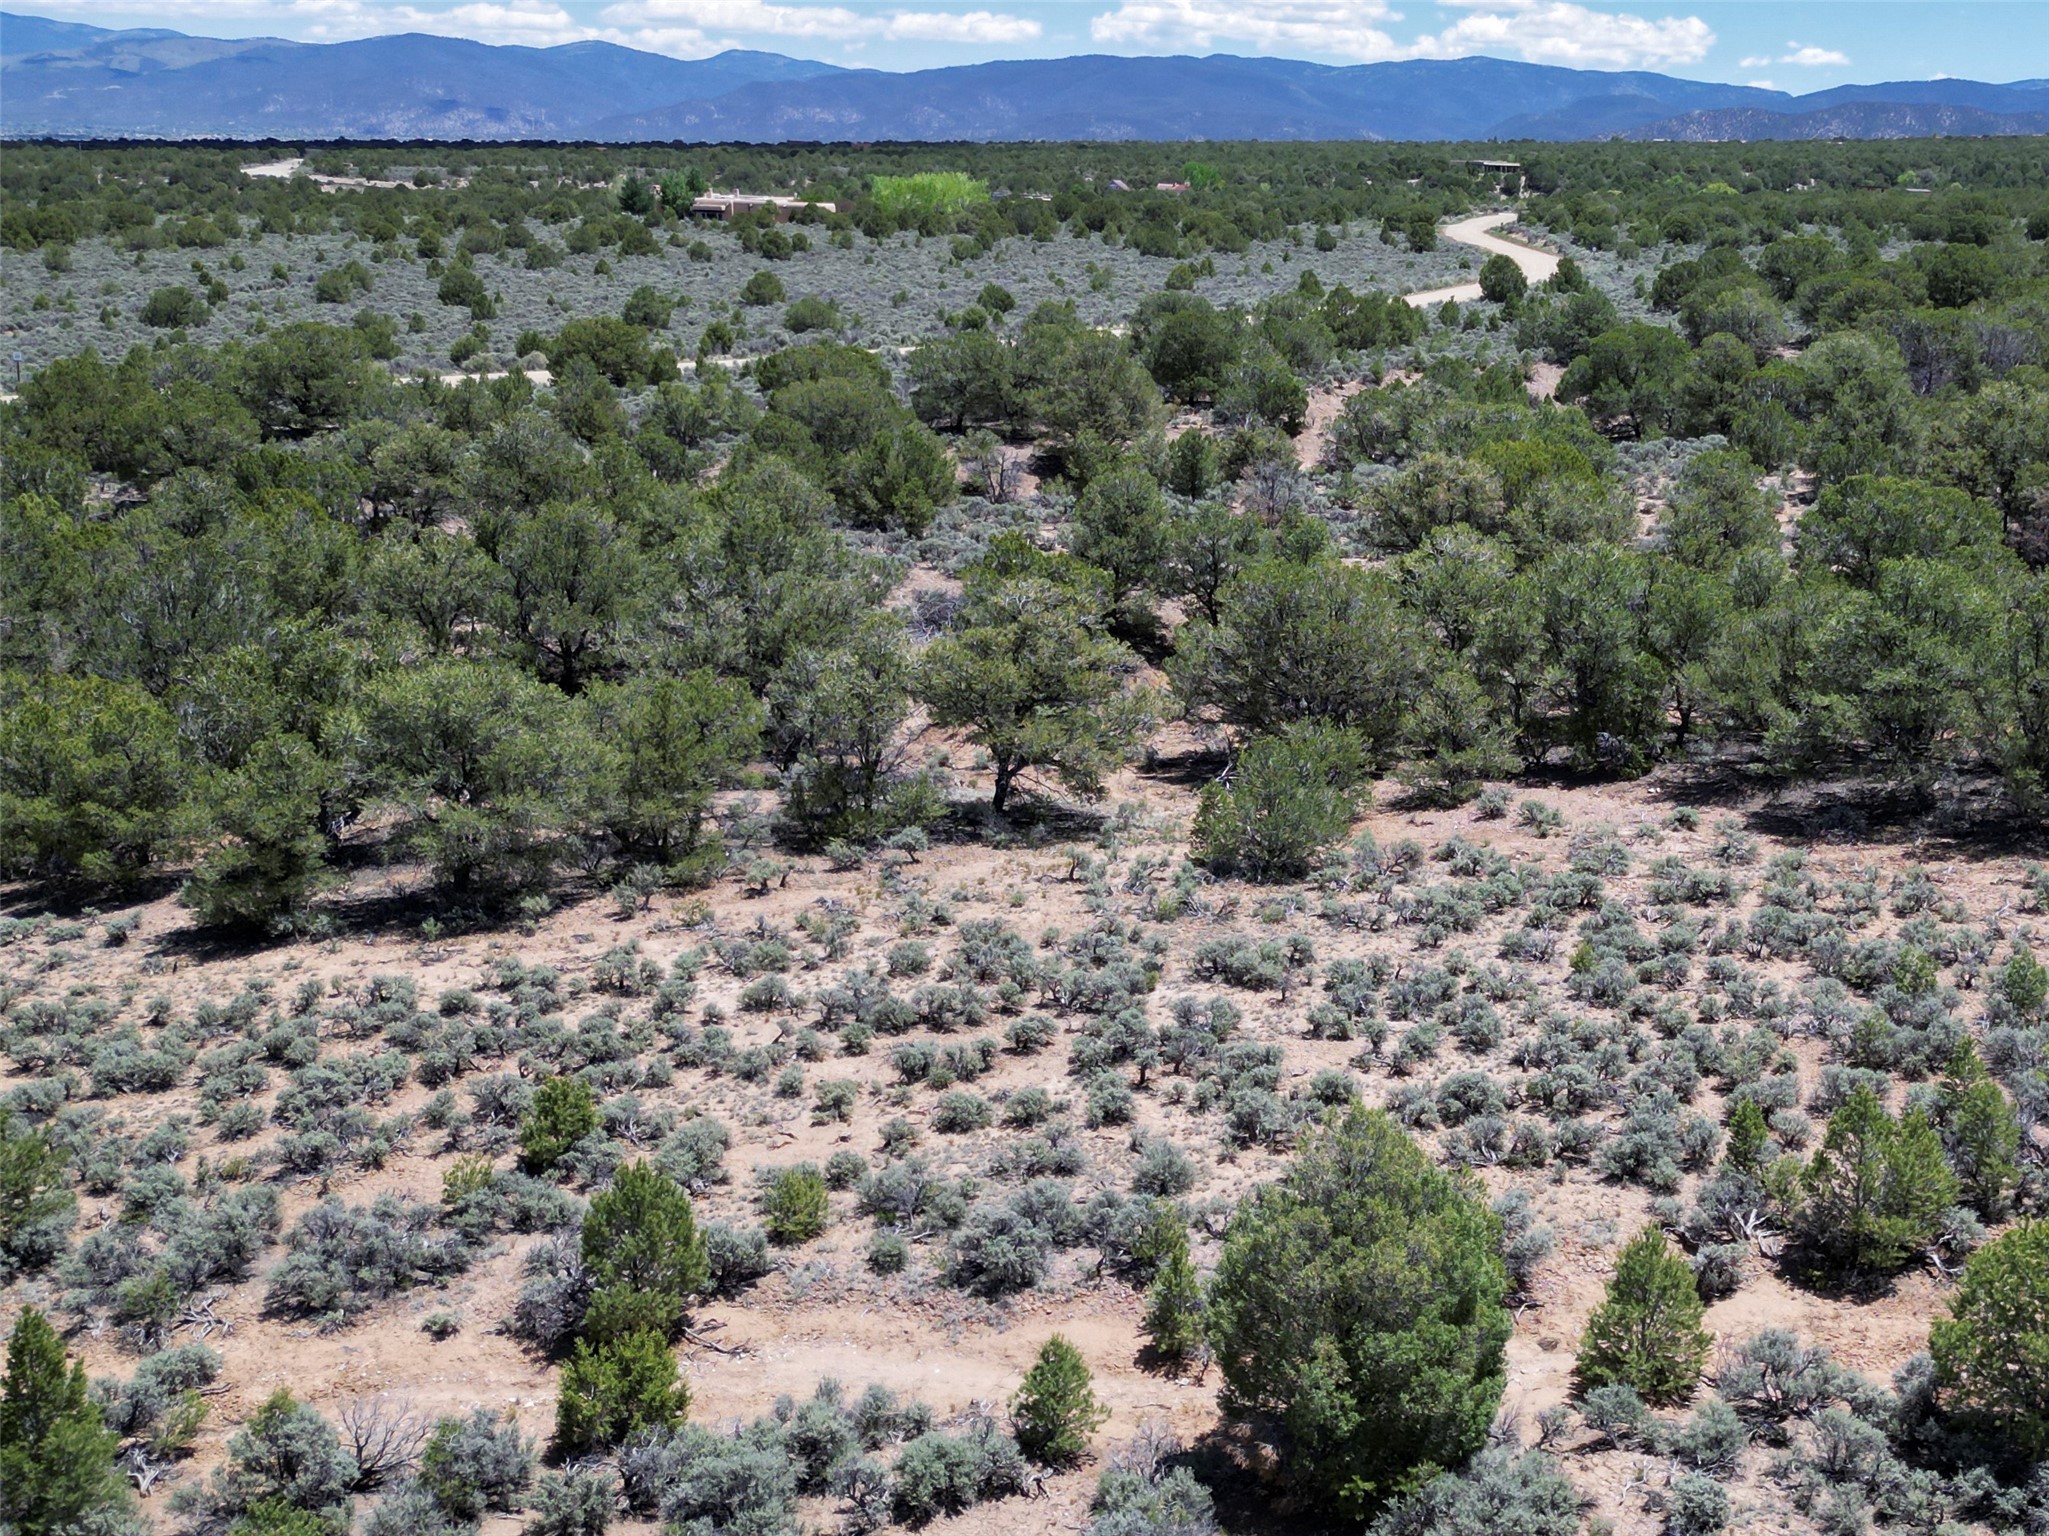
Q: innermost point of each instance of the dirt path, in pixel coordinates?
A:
(285, 170)
(1325, 406)
(1537, 265)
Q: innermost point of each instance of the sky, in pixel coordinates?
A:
(1797, 46)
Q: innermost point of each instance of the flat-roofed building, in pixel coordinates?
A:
(730, 205)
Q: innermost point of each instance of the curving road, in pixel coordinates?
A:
(1537, 265)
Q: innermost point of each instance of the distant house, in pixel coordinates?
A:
(1170, 186)
(1120, 186)
(730, 205)
(1502, 169)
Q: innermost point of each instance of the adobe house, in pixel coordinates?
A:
(728, 206)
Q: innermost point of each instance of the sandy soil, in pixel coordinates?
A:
(822, 1314)
(285, 170)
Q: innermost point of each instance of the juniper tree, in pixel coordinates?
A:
(1980, 1132)
(56, 1453)
(1292, 796)
(35, 1207)
(1646, 1333)
(644, 1255)
(616, 1388)
(1992, 1351)
(795, 1206)
(1055, 1410)
(1031, 681)
(1876, 1189)
(1174, 1308)
(1358, 1303)
(563, 1112)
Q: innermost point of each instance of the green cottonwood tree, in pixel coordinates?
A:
(1359, 1303)
(1646, 1333)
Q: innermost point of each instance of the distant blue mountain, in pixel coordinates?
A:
(64, 79)
(38, 34)
(58, 79)
(1852, 119)
(1220, 97)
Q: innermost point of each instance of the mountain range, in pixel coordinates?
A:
(65, 79)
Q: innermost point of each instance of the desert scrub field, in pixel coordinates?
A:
(885, 293)
(1142, 915)
(326, 1166)
(885, 289)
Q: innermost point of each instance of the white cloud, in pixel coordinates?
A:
(1560, 32)
(686, 25)
(1340, 27)
(727, 16)
(682, 28)
(1810, 57)
(1761, 85)
(960, 27)
(1542, 31)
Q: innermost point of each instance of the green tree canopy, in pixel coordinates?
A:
(1875, 1189)
(1055, 1410)
(1646, 1333)
(1027, 676)
(1501, 279)
(56, 1454)
(1298, 642)
(644, 1255)
(93, 777)
(1289, 798)
(1358, 1302)
(1992, 1351)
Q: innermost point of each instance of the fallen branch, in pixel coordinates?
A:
(692, 1336)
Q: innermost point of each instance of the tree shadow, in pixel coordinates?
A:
(1806, 1270)
(1251, 1492)
(75, 900)
(1196, 768)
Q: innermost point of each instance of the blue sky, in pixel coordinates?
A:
(1799, 46)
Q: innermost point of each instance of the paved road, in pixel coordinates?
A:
(1537, 265)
